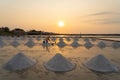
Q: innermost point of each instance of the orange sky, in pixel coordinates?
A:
(85, 16)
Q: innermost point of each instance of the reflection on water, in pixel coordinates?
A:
(46, 47)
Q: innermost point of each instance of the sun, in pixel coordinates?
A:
(60, 23)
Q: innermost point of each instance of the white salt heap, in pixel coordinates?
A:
(68, 39)
(101, 64)
(38, 38)
(88, 45)
(116, 44)
(86, 40)
(1, 43)
(75, 44)
(60, 39)
(93, 39)
(22, 37)
(101, 44)
(19, 62)
(15, 43)
(61, 43)
(76, 39)
(59, 64)
(30, 43)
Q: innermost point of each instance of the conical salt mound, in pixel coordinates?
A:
(93, 39)
(101, 64)
(68, 39)
(30, 38)
(76, 39)
(101, 44)
(1, 43)
(116, 44)
(19, 62)
(15, 37)
(61, 44)
(30, 43)
(15, 43)
(86, 40)
(59, 64)
(8, 37)
(60, 39)
(88, 45)
(75, 44)
(38, 38)
(21, 38)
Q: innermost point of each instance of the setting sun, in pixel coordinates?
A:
(60, 23)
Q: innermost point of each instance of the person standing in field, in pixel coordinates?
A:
(47, 39)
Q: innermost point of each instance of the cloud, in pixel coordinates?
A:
(104, 13)
(111, 21)
(100, 13)
(104, 21)
(105, 17)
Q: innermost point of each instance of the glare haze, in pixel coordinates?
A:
(79, 16)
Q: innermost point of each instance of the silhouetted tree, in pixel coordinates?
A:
(18, 31)
(6, 29)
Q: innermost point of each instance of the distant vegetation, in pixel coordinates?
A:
(5, 31)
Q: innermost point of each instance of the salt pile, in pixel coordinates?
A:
(1, 43)
(75, 44)
(101, 64)
(68, 39)
(22, 38)
(76, 39)
(59, 64)
(101, 44)
(88, 45)
(116, 44)
(30, 43)
(15, 38)
(15, 43)
(19, 62)
(30, 38)
(60, 39)
(8, 37)
(93, 39)
(38, 38)
(61, 43)
(86, 40)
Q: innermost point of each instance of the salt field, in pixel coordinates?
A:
(76, 51)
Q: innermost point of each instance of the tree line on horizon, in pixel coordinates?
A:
(5, 31)
(19, 32)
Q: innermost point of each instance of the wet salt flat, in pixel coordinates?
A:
(76, 50)
(117, 39)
